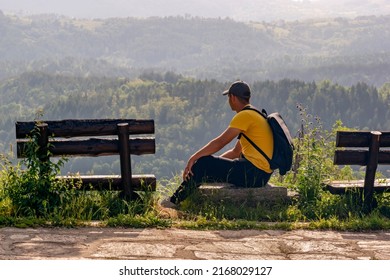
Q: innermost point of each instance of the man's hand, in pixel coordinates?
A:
(187, 173)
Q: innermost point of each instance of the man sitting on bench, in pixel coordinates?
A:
(243, 165)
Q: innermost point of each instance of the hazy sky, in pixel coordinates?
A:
(238, 10)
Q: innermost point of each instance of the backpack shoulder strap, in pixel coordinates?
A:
(263, 112)
(265, 115)
(256, 147)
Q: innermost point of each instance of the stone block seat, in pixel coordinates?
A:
(271, 193)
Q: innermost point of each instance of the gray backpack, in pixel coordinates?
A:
(283, 146)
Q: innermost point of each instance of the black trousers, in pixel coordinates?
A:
(239, 172)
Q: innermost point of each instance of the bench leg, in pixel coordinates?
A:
(124, 151)
(43, 153)
(372, 165)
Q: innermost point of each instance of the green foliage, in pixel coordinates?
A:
(313, 162)
(35, 191)
(139, 221)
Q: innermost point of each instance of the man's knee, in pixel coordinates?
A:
(203, 163)
(201, 167)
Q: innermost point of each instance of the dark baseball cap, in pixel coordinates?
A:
(240, 89)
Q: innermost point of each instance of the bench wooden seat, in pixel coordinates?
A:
(340, 187)
(64, 138)
(114, 182)
(362, 148)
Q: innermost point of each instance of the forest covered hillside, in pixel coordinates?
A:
(187, 112)
(342, 50)
(174, 69)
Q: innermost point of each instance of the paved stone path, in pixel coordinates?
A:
(149, 244)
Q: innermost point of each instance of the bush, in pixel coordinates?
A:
(34, 191)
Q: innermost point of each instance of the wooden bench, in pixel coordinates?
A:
(69, 138)
(368, 149)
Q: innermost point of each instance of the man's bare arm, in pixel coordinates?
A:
(233, 153)
(210, 148)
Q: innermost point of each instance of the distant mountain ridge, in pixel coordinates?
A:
(342, 50)
(244, 10)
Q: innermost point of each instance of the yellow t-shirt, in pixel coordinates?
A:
(258, 130)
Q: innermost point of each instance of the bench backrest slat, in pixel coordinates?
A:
(359, 157)
(355, 148)
(92, 127)
(93, 147)
(360, 139)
